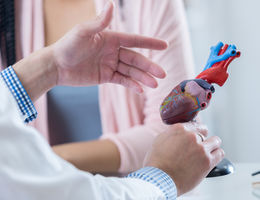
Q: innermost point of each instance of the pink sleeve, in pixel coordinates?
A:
(166, 20)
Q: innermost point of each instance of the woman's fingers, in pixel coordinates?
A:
(141, 62)
(137, 75)
(119, 78)
(212, 143)
(132, 40)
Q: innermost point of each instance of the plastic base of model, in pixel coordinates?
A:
(225, 167)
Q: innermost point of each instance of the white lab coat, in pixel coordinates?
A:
(30, 170)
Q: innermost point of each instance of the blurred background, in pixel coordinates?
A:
(234, 113)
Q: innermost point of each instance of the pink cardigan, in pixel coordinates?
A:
(131, 121)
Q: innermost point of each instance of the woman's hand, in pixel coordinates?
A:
(88, 55)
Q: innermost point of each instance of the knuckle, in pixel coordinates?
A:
(203, 127)
(204, 131)
(192, 137)
(218, 140)
(206, 159)
(202, 150)
(207, 162)
(179, 127)
(220, 154)
(217, 157)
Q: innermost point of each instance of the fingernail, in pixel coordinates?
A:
(154, 84)
(161, 73)
(138, 90)
(164, 74)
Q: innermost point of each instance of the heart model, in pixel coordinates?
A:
(191, 96)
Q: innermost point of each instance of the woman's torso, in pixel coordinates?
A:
(60, 16)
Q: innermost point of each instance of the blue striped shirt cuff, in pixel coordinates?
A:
(23, 100)
(158, 178)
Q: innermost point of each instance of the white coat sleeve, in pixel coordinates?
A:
(29, 169)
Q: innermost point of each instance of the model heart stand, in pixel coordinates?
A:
(191, 96)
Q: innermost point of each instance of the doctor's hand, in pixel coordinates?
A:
(88, 55)
(183, 155)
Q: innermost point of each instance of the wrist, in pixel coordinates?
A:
(159, 178)
(37, 72)
(167, 171)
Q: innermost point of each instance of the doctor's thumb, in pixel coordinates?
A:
(102, 20)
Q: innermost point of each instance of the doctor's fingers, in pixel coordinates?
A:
(140, 62)
(216, 156)
(137, 75)
(211, 144)
(127, 82)
(197, 128)
(212, 148)
(139, 41)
